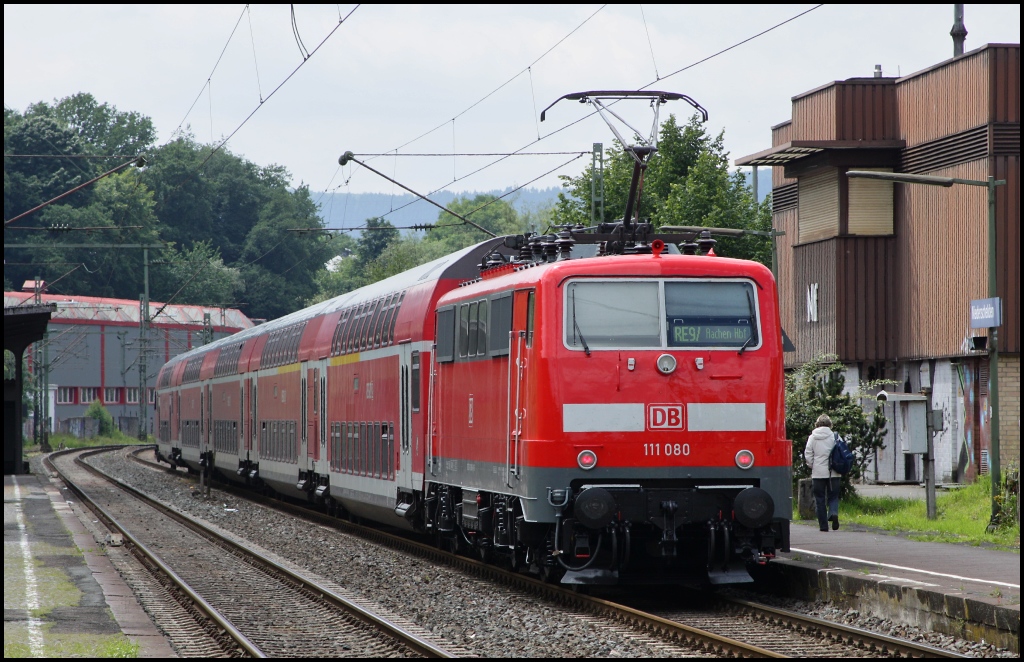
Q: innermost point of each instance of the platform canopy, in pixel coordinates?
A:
(23, 325)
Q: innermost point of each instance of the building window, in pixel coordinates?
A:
(88, 394)
(818, 205)
(131, 395)
(152, 395)
(66, 395)
(110, 396)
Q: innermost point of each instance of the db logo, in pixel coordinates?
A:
(664, 417)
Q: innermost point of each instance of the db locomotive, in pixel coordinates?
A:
(595, 406)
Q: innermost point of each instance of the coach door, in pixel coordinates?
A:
(403, 454)
(313, 413)
(520, 342)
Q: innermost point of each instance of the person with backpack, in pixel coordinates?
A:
(824, 478)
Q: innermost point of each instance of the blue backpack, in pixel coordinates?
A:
(840, 460)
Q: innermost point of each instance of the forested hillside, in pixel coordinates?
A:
(228, 232)
(224, 221)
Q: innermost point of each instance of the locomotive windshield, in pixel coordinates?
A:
(664, 313)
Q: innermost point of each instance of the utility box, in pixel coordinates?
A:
(912, 425)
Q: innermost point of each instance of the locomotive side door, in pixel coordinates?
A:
(521, 340)
(403, 454)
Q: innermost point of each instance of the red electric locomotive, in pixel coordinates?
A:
(593, 405)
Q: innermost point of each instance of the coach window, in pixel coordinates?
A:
(394, 318)
(415, 381)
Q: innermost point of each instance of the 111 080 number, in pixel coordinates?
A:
(666, 450)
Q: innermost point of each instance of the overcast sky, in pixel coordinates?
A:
(389, 74)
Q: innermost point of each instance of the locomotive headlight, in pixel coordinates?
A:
(744, 459)
(587, 460)
(666, 364)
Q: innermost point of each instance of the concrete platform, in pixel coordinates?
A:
(967, 591)
(62, 596)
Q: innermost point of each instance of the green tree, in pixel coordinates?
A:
(818, 387)
(29, 182)
(197, 275)
(687, 182)
(97, 411)
(376, 236)
(278, 263)
(105, 129)
(489, 212)
(118, 204)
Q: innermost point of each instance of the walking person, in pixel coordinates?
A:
(824, 481)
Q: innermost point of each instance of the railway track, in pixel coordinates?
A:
(242, 603)
(717, 625)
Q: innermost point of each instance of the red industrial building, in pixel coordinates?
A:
(91, 349)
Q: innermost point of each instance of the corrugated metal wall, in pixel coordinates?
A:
(1004, 72)
(814, 114)
(786, 221)
(1008, 248)
(868, 320)
(906, 296)
(946, 99)
(814, 264)
(866, 110)
(781, 133)
(941, 259)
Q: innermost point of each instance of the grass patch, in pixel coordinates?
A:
(962, 516)
(70, 645)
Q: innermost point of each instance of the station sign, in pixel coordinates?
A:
(986, 313)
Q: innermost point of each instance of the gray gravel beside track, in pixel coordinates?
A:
(460, 613)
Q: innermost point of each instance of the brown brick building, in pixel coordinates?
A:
(881, 274)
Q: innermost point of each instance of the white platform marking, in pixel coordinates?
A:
(35, 634)
(901, 567)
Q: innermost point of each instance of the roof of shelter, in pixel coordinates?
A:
(126, 311)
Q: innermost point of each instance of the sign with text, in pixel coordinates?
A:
(986, 313)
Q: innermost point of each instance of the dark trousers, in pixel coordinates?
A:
(825, 490)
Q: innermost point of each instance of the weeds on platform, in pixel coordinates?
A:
(963, 516)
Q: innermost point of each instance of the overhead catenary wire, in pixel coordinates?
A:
(492, 92)
(261, 103)
(212, 71)
(592, 113)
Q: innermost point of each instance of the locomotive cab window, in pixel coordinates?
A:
(711, 314)
(679, 313)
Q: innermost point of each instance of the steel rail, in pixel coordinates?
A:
(141, 549)
(643, 620)
(841, 632)
(709, 641)
(414, 642)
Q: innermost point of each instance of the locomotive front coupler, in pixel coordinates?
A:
(668, 533)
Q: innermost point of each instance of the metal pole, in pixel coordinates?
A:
(144, 348)
(929, 458)
(993, 357)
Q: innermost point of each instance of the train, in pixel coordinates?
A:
(595, 405)
(600, 418)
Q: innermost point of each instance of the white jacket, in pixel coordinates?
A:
(816, 453)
